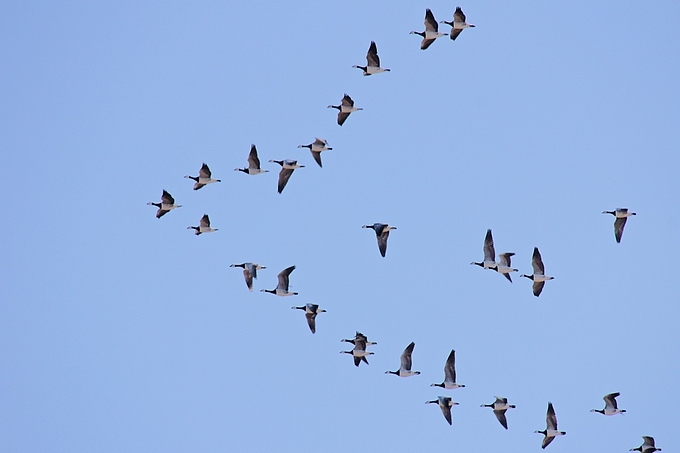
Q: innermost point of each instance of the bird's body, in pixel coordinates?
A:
(539, 278)
(504, 267)
(372, 62)
(253, 167)
(610, 405)
(458, 24)
(406, 363)
(500, 407)
(345, 108)
(431, 32)
(551, 430)
(445, 404)
(287, 168)
(166, 205)
(316, 148)
(449, 373)
(203, 227)
(382, 232)
(204, 177)
(282, 287)
(621, 216)
(249, 272)
(647, 445)
(311, 310)
(489, 253)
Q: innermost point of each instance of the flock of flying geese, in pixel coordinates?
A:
(360, 353)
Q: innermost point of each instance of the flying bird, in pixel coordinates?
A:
(489, 253)
(249, 272)
(621, 215)
(500, 407)
(287, 168)
(319, 145)
(359, 337)
(359, 352)
(253, 167)
(504, 267)
(405, 368)
(610, 405)
(282, 287)
(431, 31)
(539, 278)
(204, 177)
(382, 232)
(372, 62)
(204, 226)
(345, 108)
(647, 445)
(166, 205)
(551, 430)
(311, 310)
(449, 373)
(445, 404)
(458, 24)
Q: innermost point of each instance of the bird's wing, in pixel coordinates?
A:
(406, 357)
(283, 278)
(372, 57)
(205, 221)
(489, 251)
(505, 259)
(551, 418)
(500, 415)
(317, 157)
(311, 321)
(430, 23)
(253, 160)
(357, 360)
(161, 212)
(166, 198)
(610, 400)
(347, 101)
(546, 441)
(618, 227)
(359, 345)
(249, 278)
(382, 242)
(538, 287)
(320, 142)
(455, 32)
(284, 176)
(537, 262)
(426, 43)
(204, 172)
(446, 410)
(450, 368)
(342, 116)
(508, 277)
(458, 16)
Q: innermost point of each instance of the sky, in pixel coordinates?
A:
(123, 332)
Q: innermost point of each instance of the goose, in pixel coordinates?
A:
(345, 108)
(405, 368)
(610, 406)
(445, 404)
(359, 352)
(382, 232)
(204, 226)
(647, 445)
(538, 276)
(621, 215)
(489, 253)
(500, 406)
(551, 430)
(204, 177)
(372, 62)
(311, 310)
(253, 167)
(166, 205)
(504, 267)
(449, 373)
(319, 145)
(282, 287)
(249, 272)
(431, 31)
(458, 23)
(359, 337)
(287, 168)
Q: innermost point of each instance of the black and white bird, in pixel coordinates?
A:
(621, 215)
(359, 351)
(166, 205)
(249, 272)
(610, 405)
(345, 108)
(204, 177)
(539, 278)
(253, 167)
(359, 337)
(382, 232)
(445, 404)
(282, 287)
(551, 430)
(449, 373)
(458, 24)
(489, 253)
(287, 168)
(406, 363)
(504, 267)
(311, 310)
(372, 62)
(203, 227)
(500, 407)
(647, 445)
(319, 145)
(431, 31)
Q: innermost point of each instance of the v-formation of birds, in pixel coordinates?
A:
(504, 267)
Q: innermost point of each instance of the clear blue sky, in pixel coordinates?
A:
(122, 332)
